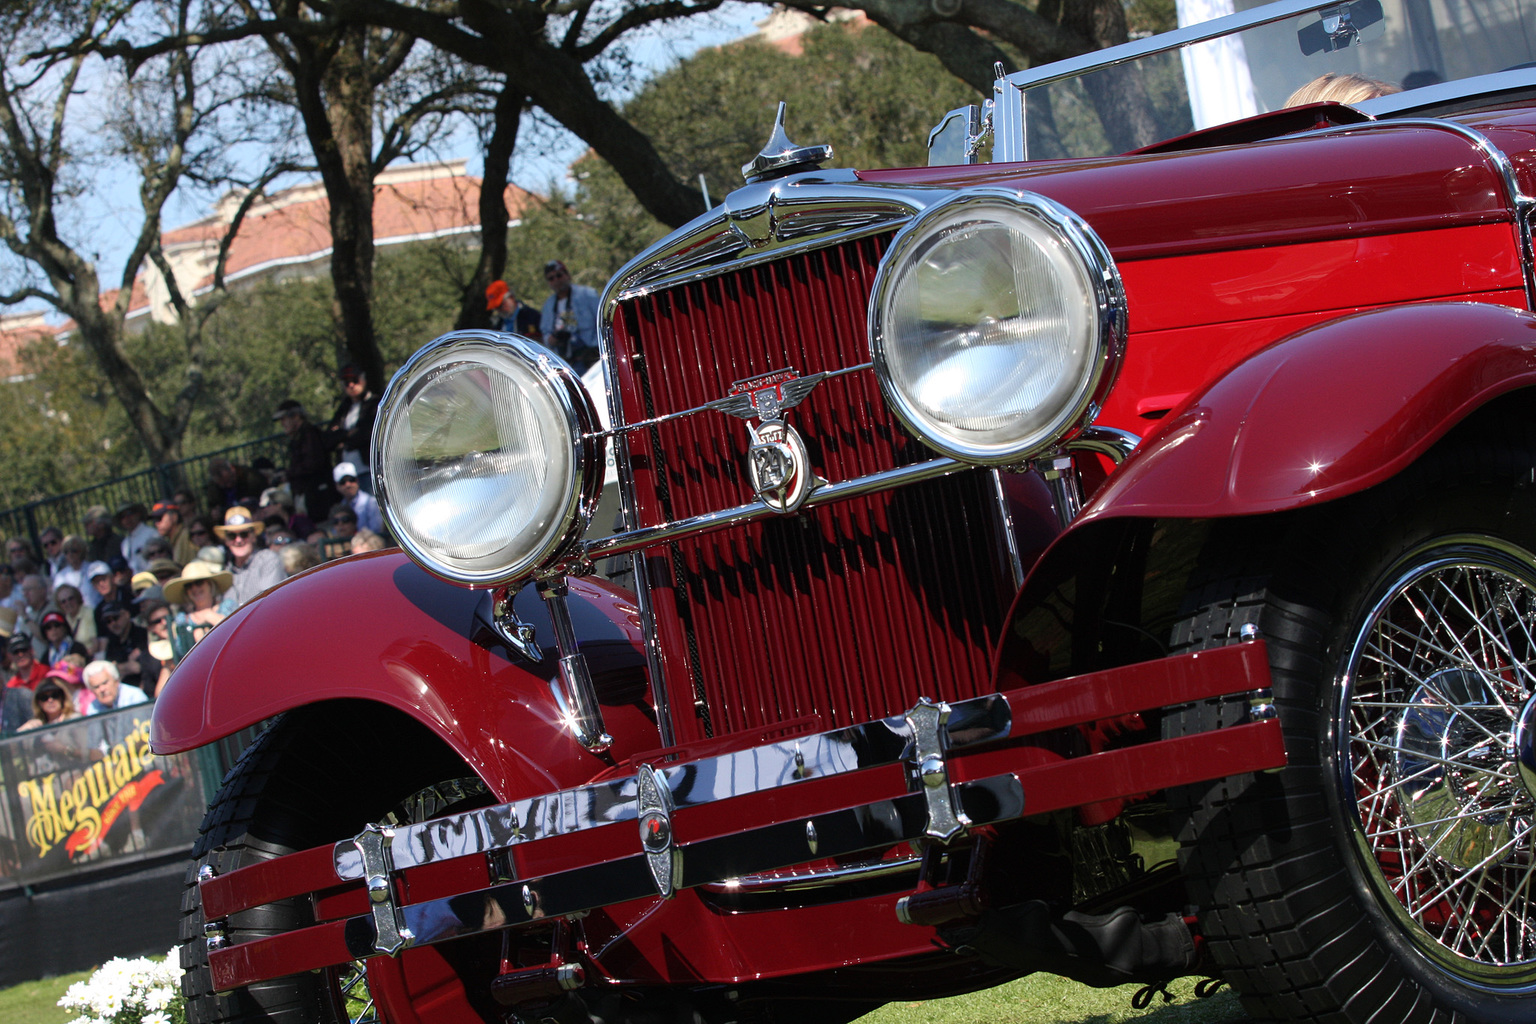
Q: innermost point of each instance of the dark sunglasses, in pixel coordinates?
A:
(159, 620)
(239, 534)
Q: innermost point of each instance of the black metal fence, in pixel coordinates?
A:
(147, 486)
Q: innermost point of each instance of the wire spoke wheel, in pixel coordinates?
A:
(1434, 751)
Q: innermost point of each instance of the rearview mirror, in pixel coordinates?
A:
(1339, 26)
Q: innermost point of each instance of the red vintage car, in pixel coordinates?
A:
(1117, 559)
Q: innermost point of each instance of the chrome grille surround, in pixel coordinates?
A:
(768, 223)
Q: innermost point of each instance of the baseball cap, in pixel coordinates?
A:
(494, 293)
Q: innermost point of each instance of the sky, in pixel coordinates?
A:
(105, 226)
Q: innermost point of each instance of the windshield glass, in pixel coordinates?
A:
(1348, 52)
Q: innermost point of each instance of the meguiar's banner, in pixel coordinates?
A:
(89, 793)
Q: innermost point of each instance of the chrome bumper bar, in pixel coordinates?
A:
(933, 774)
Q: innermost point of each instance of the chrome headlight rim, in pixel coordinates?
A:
(578, 421)
(1108, 317)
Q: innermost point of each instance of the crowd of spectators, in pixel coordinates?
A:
(97, 620)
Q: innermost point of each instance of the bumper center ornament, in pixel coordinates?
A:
(654, 802)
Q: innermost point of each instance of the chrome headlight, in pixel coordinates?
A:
(484, 458)
(997, 325)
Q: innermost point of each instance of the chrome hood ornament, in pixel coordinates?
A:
(777, 463)
(780, 156)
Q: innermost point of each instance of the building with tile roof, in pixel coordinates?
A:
(284, 236)
(287, 235)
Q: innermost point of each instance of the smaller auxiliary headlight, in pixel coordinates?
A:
(996, 325)
(484, 458)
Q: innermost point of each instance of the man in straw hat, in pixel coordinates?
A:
(255, 568)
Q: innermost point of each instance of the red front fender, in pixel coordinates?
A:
(378, 628)
(1329, 411)
(1324, 413)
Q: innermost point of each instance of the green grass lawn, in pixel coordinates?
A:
(1046, 999)
(37, 1002)
(1041, 999)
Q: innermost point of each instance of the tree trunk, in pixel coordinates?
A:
(347, 173)
(493, 207)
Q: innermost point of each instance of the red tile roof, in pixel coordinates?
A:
(294, 225)
(13, 339)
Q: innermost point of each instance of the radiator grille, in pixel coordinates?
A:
(838, 614)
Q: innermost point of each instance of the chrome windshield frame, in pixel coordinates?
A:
(1008, 91)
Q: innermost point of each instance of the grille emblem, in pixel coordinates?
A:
(777, 462)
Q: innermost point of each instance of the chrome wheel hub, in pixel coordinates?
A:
(1524, 746)
(1456, 785)
(1437, 756)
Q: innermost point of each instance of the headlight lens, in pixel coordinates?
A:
(996, 325)
(485, 467)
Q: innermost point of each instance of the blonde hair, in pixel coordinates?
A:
(1337, 88)
(298, 556)
(366, 540)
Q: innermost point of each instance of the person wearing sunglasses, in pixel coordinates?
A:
(51, 705)
(52, 540)
(58, 640)
(569, 320)
(126, 646)
(254, 567)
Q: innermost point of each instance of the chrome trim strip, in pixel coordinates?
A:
(971, 723)
(1003, 513)
(634, 540)
(856, 829)
(1385, 107)
(811, 880)
(1110, 442)
(711, 406)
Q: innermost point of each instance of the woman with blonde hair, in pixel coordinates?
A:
(51, 703)
(197, 590)
(1340, 88)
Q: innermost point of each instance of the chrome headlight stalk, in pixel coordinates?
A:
(488, 459)
(996, 326)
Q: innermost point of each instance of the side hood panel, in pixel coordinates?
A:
(1375, 179)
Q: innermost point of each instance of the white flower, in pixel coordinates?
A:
(139, 991)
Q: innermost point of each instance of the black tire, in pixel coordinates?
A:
(312, 778)
(1319, 886)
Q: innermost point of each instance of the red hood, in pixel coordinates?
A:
(1381, 178)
